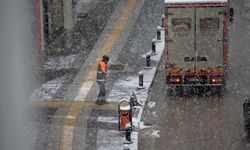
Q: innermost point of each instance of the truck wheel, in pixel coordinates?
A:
(220, 90)
(186, 91)
(208, 92)
(169, 91)
(172, 91)
(179, 90)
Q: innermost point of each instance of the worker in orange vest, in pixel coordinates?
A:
(101, 80)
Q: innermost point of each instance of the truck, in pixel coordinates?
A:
(196, 44)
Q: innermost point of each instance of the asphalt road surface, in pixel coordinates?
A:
(197, 122)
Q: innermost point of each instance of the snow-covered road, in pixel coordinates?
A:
(196, 122)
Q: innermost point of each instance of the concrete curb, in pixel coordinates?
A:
(151, 84)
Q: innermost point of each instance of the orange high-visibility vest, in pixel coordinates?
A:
(101, 71)
(103, 66)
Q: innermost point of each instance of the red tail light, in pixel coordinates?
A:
(217, 80)
(175, 80)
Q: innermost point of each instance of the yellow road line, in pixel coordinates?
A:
(84, 104)
(52, 103)
(68, 129)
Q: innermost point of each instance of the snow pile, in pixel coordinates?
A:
(142, 126)
(154, 114)
(125, 107)
(155, 134)
(151, 105)
(108, 119)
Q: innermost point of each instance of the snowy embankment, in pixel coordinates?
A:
(121, 90)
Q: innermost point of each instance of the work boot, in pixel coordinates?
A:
(105, 102)
(99, 103)
(128, 142)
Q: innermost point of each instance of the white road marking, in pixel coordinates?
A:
(68, 133)
(70, 117)
(86, 86)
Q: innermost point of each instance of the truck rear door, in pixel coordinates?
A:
(209, 37)
(195, 36)
(180, 36)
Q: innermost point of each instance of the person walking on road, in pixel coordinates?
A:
(101, 80)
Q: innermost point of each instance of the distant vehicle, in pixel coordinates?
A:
(246, 114)
(196, 43)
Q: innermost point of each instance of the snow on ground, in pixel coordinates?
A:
(107, 139)
(47, 90)
(155, 133)
(151, 104)
(122, 89)
(142, 126)
(108, 119)
(154, 114)
(115, 140)
(159, 50)
(62, 62)
(80, 3)
(124, 86)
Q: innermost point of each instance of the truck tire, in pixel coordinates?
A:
(170, 91)
(179, 90)
(175, 90)
(220, 90)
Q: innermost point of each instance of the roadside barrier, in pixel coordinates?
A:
(140, 81)
(158, 33)
(148, 63)
(162, 20)
(153, 48)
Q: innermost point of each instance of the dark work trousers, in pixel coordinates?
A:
(102, 93)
